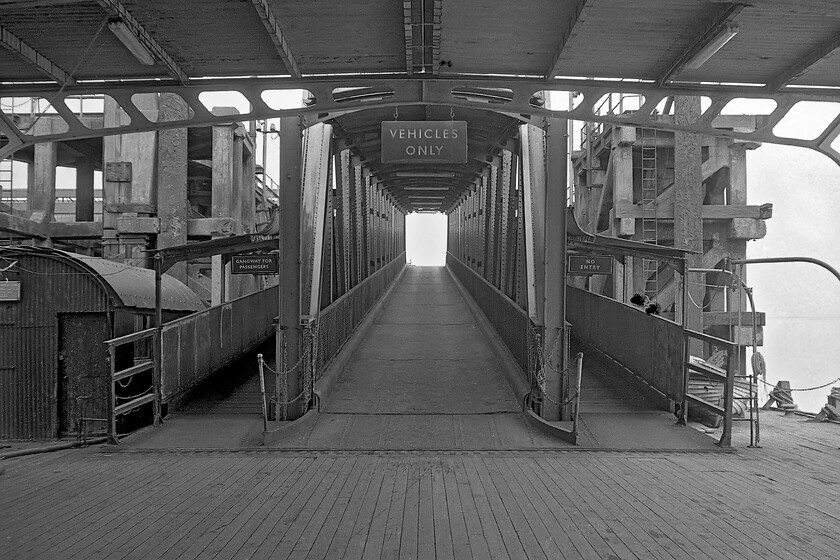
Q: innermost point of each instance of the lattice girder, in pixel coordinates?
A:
(521, 99)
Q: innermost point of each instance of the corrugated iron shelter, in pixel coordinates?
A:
(52, 326)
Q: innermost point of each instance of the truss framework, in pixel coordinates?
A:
(523, 100)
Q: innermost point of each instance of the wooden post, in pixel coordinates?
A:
(290, 265)
(84, 189)
(172, 195)
(41, 195)
(112, 417)
(688, 201)
(222, 199)
(158, 338)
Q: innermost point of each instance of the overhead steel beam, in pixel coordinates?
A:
(15, 44)
(553, 70)
(799, 67)
(713, 28)
(421, 27)
(428, 92)
(157, 51)
(408, 31)
(270, 22)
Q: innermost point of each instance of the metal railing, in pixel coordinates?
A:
(723, 375)
(196, 346)
(123, 378)
(513, 324)
(338, 320)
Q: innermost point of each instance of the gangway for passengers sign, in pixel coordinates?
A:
(424, 142)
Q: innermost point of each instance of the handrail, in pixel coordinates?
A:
(125, 339)
(150, 395)
(728, 380)
(579, 361)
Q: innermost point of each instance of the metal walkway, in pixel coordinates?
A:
(423, 377)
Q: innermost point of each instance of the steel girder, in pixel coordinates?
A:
(521, 99)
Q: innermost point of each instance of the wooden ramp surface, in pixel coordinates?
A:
(777, 502)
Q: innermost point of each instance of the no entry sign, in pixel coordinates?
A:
(590, 265)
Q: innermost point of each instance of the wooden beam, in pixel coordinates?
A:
(415, 24)
(408, 32)
(708, 211)
(206, 227)
(133, 224)
(276, 34)
(157, 51)
(714, 27)
(75, 230)
(15, 44)
(711, 319)
(799, 67)
(579, 8)
(22, 226)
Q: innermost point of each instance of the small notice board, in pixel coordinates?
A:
(10, 291)
(590, 265)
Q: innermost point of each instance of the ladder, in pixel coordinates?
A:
(7, 183)
(650, 223)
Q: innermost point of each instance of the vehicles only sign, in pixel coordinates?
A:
(424, 141)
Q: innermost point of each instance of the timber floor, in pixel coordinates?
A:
(197, 489)
(776, 502)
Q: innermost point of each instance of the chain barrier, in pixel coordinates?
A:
(308, 358)
(832, 382)
(543, 363)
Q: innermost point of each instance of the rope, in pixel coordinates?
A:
(137, 396)
(808, 389)
(699, 306)
(563, 403)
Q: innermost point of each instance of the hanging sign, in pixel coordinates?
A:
(424, 141)
(590, 265)
(254, 264)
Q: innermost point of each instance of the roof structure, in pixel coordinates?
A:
(487, 63)
(580, 241)
(778, 42)
(129, 286)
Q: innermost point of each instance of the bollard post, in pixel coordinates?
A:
(262, 392)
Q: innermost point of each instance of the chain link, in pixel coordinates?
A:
(308, 358)
(543, 362)
(806, 389)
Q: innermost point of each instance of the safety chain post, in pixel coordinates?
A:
(282, 377)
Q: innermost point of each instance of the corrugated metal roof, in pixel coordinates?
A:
(135, 286)
(132, 286)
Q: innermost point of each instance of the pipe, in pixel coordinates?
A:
(49, 448)
(817, 262)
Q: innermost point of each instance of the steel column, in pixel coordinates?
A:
(289, 330)
(554, 350)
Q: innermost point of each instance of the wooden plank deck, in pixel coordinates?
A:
(779, 501)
